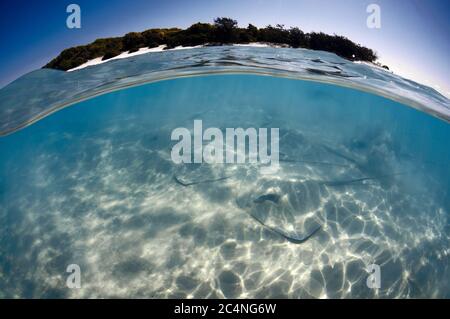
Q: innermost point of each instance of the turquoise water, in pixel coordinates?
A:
(93, 185)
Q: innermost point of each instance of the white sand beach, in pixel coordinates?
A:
(259, 45)
(161, 48)
(127, 54)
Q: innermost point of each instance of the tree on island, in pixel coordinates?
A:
(223, 31)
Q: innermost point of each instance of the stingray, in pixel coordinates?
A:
(185, 184)
(375, 172)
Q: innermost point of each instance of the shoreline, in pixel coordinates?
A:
(127, 54)
(162, 48)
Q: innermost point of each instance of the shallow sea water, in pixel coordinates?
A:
(93, 185)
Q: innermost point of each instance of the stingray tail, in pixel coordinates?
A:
(300, 240)
(359, 180)
(290, 238)
(178, 181)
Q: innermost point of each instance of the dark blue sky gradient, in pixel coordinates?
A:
(414, 39)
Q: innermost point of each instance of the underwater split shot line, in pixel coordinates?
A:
(101, 190)
(221, 161)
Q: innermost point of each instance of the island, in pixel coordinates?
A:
(224, 31)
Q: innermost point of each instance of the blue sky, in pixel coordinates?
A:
(414, 38)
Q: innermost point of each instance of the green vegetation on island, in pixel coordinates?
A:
(224, 31)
